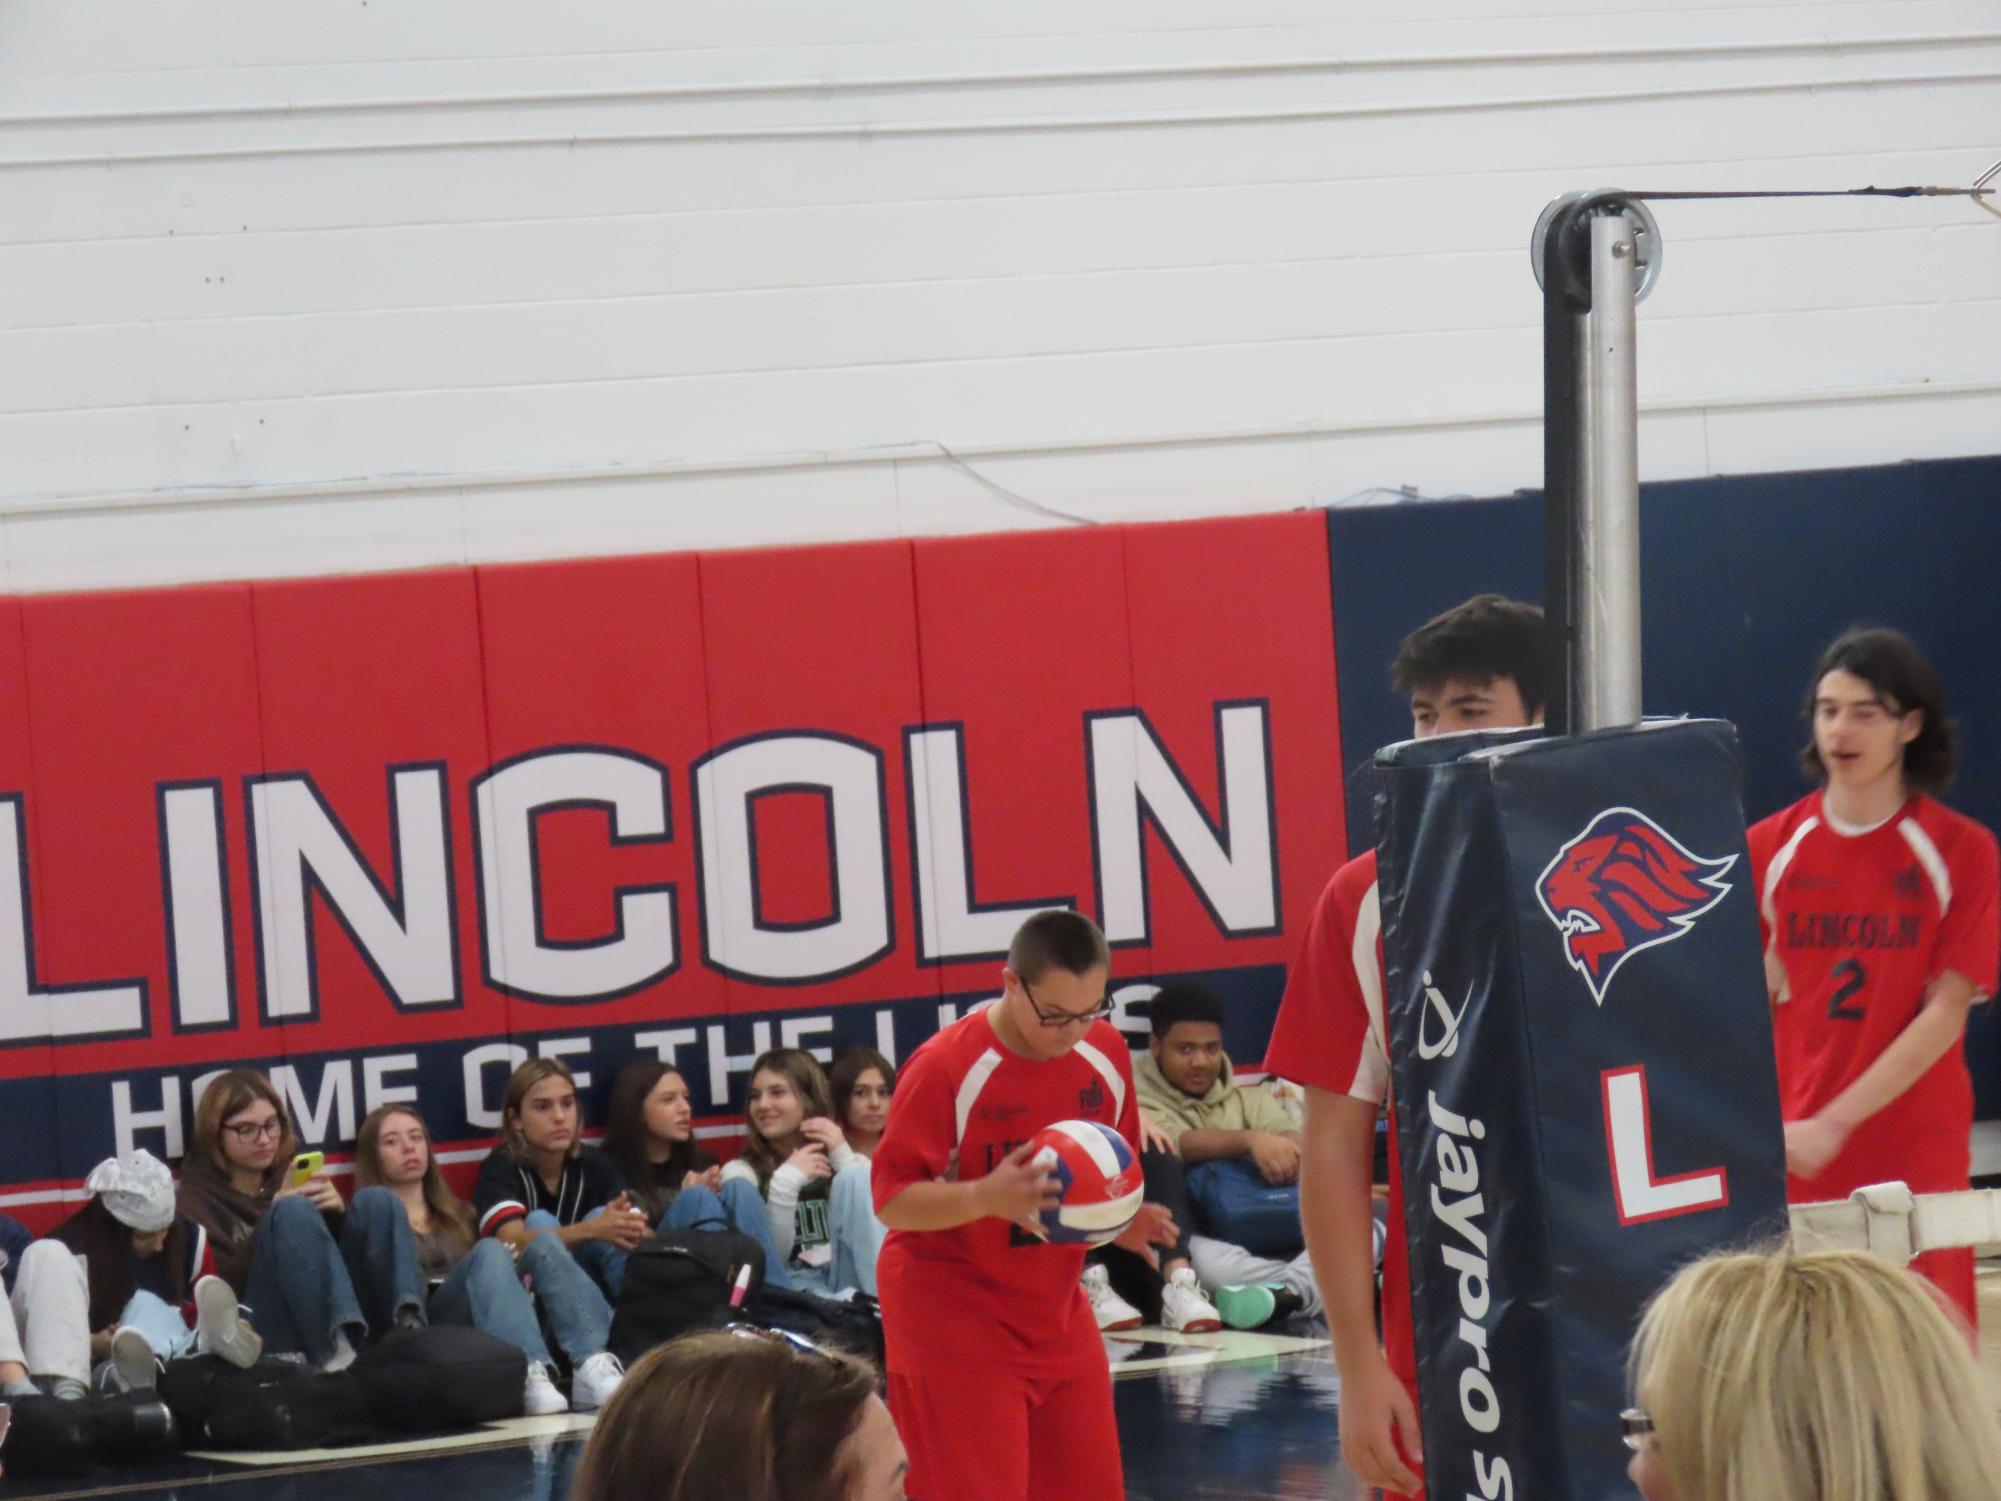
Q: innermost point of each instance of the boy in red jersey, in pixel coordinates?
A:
(1881, 911)
(1479, 666)
(997, 1374)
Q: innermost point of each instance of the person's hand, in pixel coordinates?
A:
(1152, 1227)
(319, 1189)
(819, 1129)
(709, 1178)
(811, 1159)
(1376, 1410)
(1019, 1189)
(100, 1346)
(623, 1223)
(1277, 1157)
(1152, 1138)
(1811, 1145)
(1778, 988)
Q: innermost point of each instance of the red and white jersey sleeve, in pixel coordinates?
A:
(1330, 1035)
(1863, 921)
(1329, 1031)
(988, 1291)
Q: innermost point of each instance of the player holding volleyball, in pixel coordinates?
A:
(1478, 666)
(997, 1374)
(1879, 910)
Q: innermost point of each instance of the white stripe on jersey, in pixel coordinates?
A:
(1092, 1140)
(1110, 1075)
(1372, 1068)
(970, 1087)
(1779, 863)
(1933, 862)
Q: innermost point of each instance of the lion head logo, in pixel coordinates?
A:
(1623, 885)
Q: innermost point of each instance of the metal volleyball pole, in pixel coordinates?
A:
(1595, 255)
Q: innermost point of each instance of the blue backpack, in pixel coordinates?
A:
(1234, 1203)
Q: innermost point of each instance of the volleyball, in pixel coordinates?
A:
(1099, 1178)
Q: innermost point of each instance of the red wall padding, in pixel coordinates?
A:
(1017, 642)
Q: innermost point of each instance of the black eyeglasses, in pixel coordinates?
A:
(1635, 1427)
(1066, 1018)
(252, 1130)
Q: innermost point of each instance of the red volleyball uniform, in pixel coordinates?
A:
(1330, 1034)
(997, 1374)
(1863, 920)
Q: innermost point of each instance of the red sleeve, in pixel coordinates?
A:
(919, 1139)
(1969, 939)
(1122, 1059)
(1329, 1028)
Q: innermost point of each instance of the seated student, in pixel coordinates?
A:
(861, 1083)
(816, 1190)
(271, 1240)
(100, 1297)
(457, 1277)
(1127, 1288)
(1807, 1376)
(748, 1414)
(541, 1177)
(650, 1134)
(1184, 1084)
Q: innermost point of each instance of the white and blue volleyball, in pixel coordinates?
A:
(1099, 1178)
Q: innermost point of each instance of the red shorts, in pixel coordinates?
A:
(1001, 1435)
(1951, 1272)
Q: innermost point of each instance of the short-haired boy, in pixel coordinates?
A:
(997, 1373)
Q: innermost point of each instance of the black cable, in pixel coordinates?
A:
(1869, 192)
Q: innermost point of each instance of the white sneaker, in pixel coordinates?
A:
(133, 1367)
(595, 1379)
(1184, 1309)
(539, 1398)
(1111, 1310)
(220, 1328)
(343, 1354)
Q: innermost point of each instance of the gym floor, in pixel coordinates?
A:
(1201, 1418)
(1210, 1416)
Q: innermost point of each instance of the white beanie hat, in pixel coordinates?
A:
(137, 1189)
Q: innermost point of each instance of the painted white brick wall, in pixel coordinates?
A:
(292, 288)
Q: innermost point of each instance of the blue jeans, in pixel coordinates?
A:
(380, 1250)
(603, 1260)
(298, 1289)
(740, 1207)
(856, 1235)
(485, 1290)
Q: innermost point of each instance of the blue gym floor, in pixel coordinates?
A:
(1210, 1416)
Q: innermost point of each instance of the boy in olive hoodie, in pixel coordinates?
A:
(1185, 1088)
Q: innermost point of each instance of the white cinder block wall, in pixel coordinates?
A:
(291, 287)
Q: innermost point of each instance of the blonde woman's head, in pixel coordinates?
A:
(1809, 1376)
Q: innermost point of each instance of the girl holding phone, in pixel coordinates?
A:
(272, 1240)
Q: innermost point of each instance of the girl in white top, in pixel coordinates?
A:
(815, 1186)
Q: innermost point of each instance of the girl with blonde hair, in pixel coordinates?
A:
(1807, 1376)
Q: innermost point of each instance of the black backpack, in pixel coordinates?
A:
(678, 1281)
(853, 1325)
(54, 1437)
(441, 1377)
(275, 1404)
